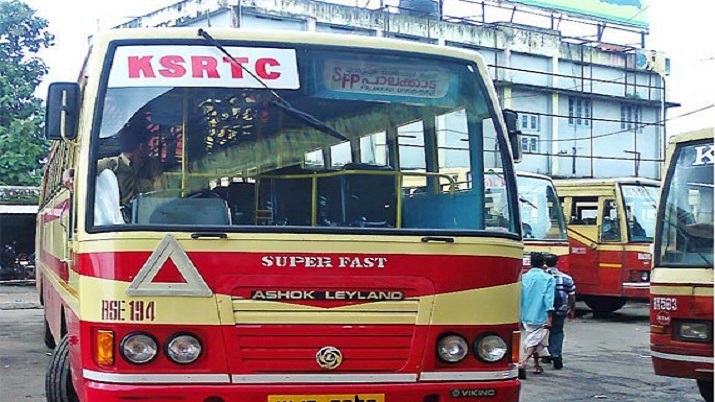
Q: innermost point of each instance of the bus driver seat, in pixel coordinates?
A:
(107, 210)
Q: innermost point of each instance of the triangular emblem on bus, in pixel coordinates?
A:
(193, 284)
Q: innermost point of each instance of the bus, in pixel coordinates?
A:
(681, 313)
(611, 223)
(277, 251)
(542, 219)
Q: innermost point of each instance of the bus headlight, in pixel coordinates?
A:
(490, 348)
(694, 331)
(645, 276)
(138, 348)
(183, 349)
(452, 348)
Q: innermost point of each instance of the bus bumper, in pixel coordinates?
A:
(494, 391)
(682, 365)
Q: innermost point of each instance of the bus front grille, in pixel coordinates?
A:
(274, 337)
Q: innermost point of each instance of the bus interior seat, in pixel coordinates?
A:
(288, 198)
(359, 200)
(241, 198)
(370, 198)
(203, 208)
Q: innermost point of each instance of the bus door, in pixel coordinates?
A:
(583, 241)
(610, 249)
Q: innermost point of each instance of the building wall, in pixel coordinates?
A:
(536, 73)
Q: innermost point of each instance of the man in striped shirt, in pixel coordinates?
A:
(564, 306)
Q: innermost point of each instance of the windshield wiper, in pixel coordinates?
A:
(525, 201)
(277, 99)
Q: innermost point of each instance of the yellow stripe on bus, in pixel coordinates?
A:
(681, 290)
(580, 237)
(103, 299)
(493, 305)
(609, 265)
(68, 294)
(682, 275)
(556, 250)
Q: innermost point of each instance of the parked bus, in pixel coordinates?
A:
(542, 219)
(681, 315)
(279, 253)
(611, 223)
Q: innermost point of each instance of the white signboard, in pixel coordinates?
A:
(378, 78)
(203, 66)
(635, 192)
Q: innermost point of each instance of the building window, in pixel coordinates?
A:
(529, 144)
(579, 112)
(530, 123)
(631, 118)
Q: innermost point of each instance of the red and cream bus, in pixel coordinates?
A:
(542, 219)
(681, 317)
(611, 223)
(281, 254)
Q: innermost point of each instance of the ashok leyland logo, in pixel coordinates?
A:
(329, 357)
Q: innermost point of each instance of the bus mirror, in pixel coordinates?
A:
(511, 119)
(62, 111)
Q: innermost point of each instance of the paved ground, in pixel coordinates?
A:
(23, 356)
(605, 358)
(18, 295)
(608, 358)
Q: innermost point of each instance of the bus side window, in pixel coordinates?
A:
(610, 226)
(584, 211)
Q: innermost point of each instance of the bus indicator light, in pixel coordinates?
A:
(104, 352)
(515, 346)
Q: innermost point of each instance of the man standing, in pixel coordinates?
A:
(537, 305)
(564, 306)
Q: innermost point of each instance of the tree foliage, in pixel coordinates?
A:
(22, 143)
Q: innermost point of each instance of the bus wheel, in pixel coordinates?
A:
(604, 304)
(49, 339)
(58, 381)
(706, 390)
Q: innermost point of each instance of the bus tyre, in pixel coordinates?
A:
(49, 339)
(706, 390)
(58, 381)
(604, 304)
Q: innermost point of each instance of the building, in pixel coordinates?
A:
(588, 108)
(18, 210)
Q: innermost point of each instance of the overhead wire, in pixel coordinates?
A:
(702, 109)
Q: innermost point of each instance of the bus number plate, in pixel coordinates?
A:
(328, 398)
(122, 310)
(665, 304)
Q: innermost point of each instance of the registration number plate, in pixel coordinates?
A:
(328, 398)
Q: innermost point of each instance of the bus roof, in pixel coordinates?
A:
(102, 39)
(693, 135)
(606, 181)
(596, 187)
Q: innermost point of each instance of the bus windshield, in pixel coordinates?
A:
(541, 215)
(686, 230)
(297, 136)
(641, 207)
